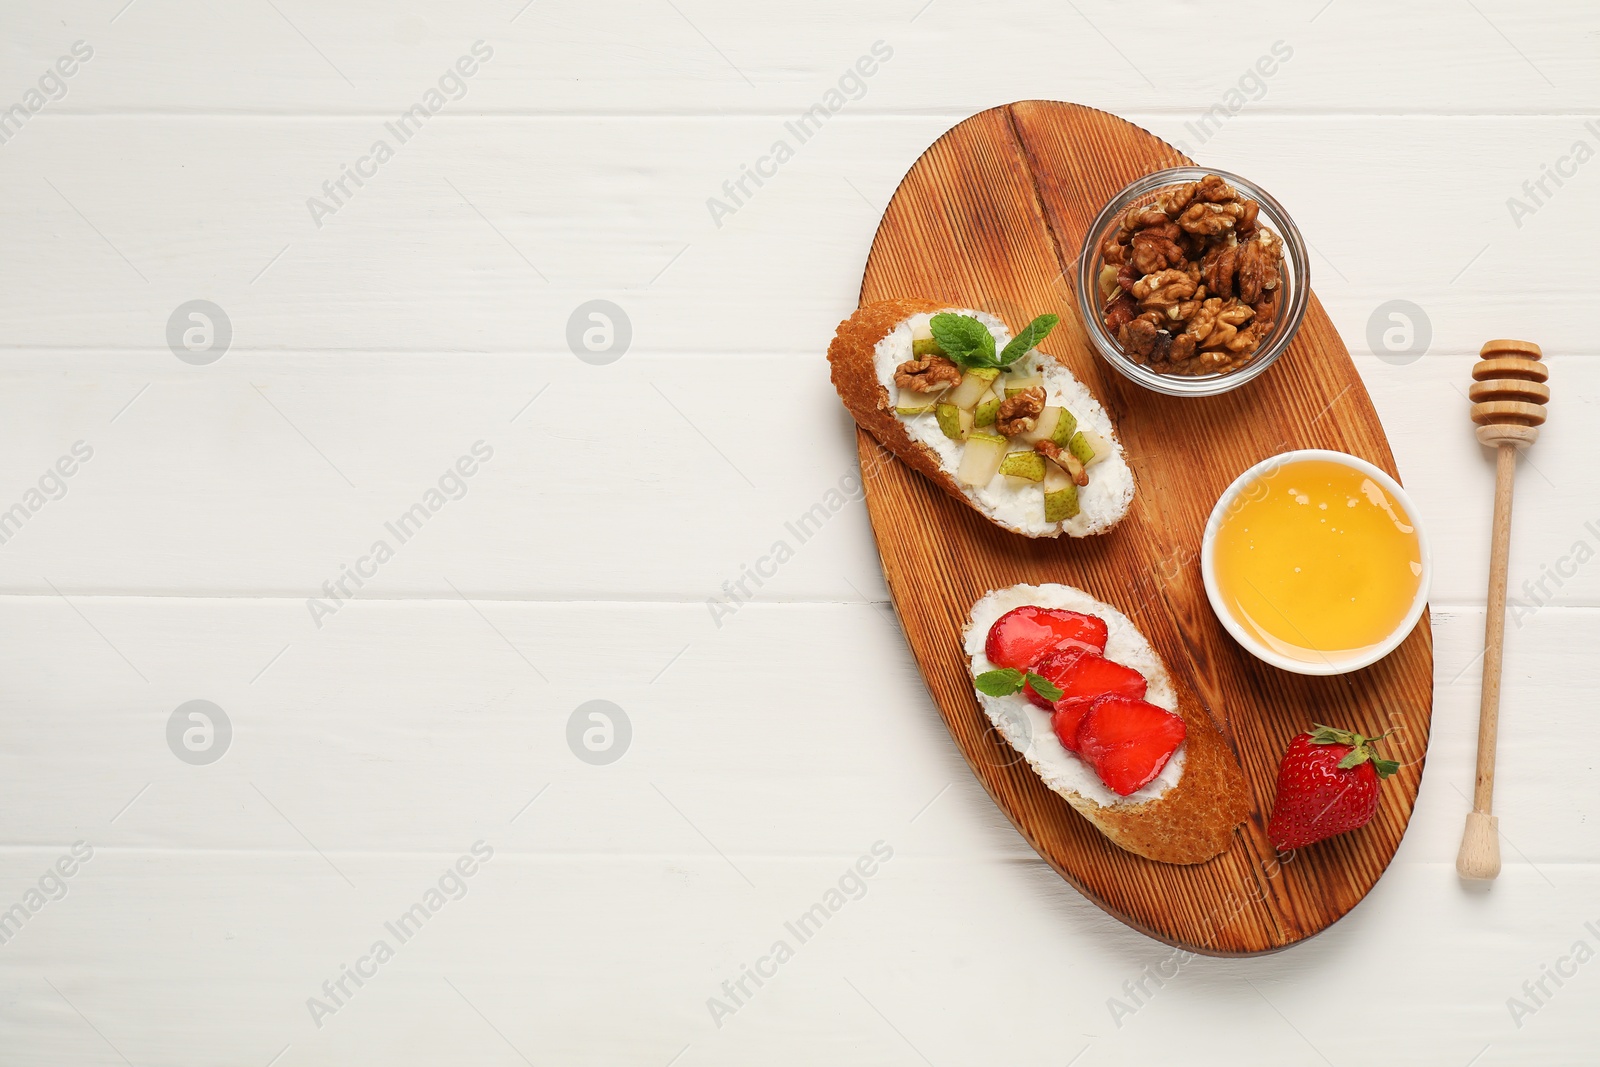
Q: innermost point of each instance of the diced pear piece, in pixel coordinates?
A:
(924, 332)
(1026, 466)
(1064, 428)
(984, 414)
(1017, 385)
(926, 347)
(911, 402)
(1080, 447)
(953, 422)
(1100, 446)
(974, 384)
(980, 460)
(1045, 427)
(1060, 493)
(1061, 504)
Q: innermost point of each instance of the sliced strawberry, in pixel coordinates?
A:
(1083, 674)
(1022, 635)
(1067, 718)
(1127, 741)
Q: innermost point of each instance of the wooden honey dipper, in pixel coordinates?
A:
(1508, 396)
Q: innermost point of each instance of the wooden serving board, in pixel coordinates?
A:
(993, 217)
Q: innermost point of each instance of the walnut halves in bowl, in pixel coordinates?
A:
(1190, 279)
(1189, 276)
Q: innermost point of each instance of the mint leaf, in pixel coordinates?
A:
(1044, 687)
(1000, 683)
(964, 339)
(1029, 339)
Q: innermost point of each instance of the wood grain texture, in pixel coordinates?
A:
(993, 216)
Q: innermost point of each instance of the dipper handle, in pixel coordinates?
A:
(1508, 394)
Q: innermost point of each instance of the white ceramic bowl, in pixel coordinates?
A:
(1364, 657)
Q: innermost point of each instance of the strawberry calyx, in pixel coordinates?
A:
(1361, 750)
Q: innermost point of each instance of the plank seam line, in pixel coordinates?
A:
(1026, 158)
(663, 601)
(20, 352)
(857, 117)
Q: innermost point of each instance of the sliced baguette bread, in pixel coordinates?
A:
(1187, 814)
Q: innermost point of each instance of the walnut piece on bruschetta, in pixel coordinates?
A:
(993, 420)
(1075, 688)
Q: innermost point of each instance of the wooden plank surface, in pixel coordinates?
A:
(222, 196)
(993, 217)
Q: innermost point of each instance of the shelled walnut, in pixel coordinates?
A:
(1192, 279)
(1020, 412)
(927, 374)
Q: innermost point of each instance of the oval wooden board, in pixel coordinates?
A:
(992, 217)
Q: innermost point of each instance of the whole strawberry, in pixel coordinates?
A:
(1327, 784)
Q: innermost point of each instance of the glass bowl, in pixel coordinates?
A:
(1295, 272)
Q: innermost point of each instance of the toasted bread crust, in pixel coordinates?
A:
(855, 376)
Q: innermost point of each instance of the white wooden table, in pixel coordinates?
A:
(358, 742)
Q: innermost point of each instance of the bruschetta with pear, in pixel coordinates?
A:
(989, 416)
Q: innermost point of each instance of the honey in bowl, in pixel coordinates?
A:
(1317, 561)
